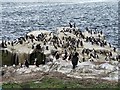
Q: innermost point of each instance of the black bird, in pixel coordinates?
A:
(47, 48)
(114, 49)
(75, 60)
(57, 56)
(32, 46)
(83, 59)
(70, 25)
(9, 43)
(37, 63)
(27, 64)
(55, 46)
(81, 43)
(74, 25)
(12, 43)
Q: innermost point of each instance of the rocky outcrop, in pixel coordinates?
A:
(52, 52)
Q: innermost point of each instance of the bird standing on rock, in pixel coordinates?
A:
(114, 49)
(27, 64)
(70, 25)
(75, 60)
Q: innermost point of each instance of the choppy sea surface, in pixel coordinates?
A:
(19, 18)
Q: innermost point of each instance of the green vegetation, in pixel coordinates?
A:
(50, 82)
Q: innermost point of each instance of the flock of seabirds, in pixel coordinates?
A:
(69, 45)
